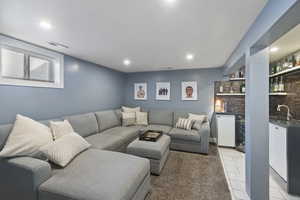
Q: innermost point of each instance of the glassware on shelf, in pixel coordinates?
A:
(281, 85)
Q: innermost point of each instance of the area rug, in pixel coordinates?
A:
(189, 176)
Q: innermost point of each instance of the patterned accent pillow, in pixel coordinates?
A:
(65, 148)
(198, 120)
(127, 109)
(184, 124)
(141, 118)
(128, 118)
(60, 129)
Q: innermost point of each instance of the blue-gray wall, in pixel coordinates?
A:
(204, 77)
(266, 19)
(88, 87)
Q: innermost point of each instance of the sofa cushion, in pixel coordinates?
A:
(178, 115)
(60, 128)
(97, 174)
(164, 129)
(4, 133)
(107, 119)
(85, 124)
(113, 138)
(182, 134)
(161, 117)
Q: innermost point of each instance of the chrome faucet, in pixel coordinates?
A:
(289, 115)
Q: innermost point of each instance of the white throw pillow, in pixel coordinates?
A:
(128, 110)
(128, 118)
(60, 129)
(26, 138)
(184, 124)
(141, 118)
(65, 148)
(195, 117)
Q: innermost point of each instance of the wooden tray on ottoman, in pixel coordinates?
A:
(150, 135)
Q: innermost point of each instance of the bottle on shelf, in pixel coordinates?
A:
(281, 85)
(276, 85)
(271, 85)
(243, 88)
(221, 88)
(278, 67)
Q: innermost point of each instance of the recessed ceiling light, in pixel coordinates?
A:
(127, 62)
(189, 56)
(46, 25)
(56, 44)
(274, 49)
(170, 1)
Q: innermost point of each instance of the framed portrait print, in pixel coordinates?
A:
(163, 90)
(140, 91)
(189, 91)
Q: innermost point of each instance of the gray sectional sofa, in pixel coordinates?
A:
(101, 172)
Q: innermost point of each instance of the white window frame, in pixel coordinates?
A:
(57, 58)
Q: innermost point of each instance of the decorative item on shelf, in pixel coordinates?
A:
(241, 74)
(232, 76)
(231, 88)
(221, 88)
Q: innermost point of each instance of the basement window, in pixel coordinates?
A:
(23, 64)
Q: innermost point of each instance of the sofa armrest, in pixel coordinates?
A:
(22, 176)
(205, 134)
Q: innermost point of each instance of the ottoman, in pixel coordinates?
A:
(157, 152)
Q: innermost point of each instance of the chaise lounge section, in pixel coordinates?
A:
(101, 172)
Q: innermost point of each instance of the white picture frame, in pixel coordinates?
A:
(163, 91)
(140, 91)
(189, 91)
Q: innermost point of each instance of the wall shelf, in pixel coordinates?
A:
(237, 79)
(243, 94)
(278, 93)
(230, 94)
(285, 71)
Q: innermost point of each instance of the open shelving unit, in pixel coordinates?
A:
(243, 94)
(294, 69)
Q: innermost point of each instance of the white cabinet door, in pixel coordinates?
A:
(278, 150)
(226, 130)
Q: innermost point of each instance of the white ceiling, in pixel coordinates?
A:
(153, 34)
(287, 44)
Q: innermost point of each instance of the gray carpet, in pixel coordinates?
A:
(188, 176)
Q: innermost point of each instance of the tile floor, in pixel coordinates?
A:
(234, 167)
